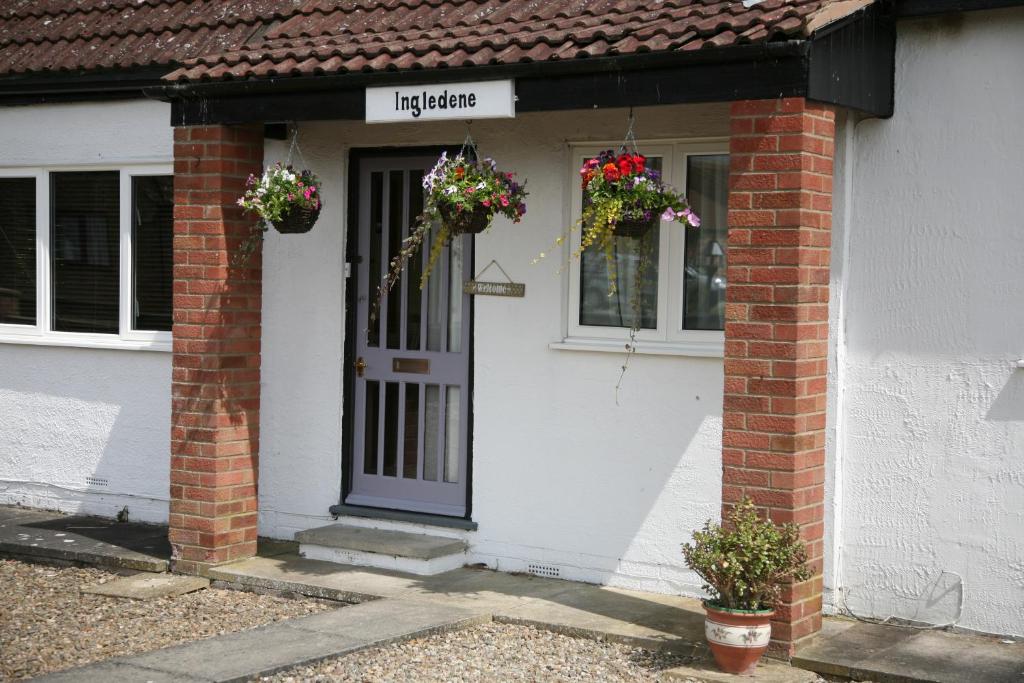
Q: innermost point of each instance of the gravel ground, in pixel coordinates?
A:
(492, 652)
(46, 624)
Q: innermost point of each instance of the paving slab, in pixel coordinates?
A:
(241, 656)
(767, 671)
(149, 586)
(91, 540)
(895, 654)
(117, 672)
(382, 541)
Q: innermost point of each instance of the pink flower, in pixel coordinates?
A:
(307, 193)
(486, 202)
(504, 200)
(312, 188)
(291, 197)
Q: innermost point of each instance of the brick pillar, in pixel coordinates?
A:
(215, 385)
(776, 330)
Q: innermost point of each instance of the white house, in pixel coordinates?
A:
(841, 339)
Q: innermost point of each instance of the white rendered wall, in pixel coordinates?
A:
(71, 413)
(561, 475)
(931, 439)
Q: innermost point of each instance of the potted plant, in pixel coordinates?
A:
(462, 196)
(744, 565)
(287, 199)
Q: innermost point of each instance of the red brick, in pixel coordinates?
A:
(777, 317)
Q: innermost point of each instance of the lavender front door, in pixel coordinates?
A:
(411, 395)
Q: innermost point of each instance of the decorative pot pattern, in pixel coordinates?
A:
(737, 639)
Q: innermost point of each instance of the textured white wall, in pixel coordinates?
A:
(71, 413)
(562, 476)
(932, 436)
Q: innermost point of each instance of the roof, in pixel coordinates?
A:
(212, 40)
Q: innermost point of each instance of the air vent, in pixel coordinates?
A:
(96, 481)
(543, 570)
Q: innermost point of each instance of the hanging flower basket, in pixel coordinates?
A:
(296, 221)
(287, 199)
(465, 221)
(632, 228)
(463, 195)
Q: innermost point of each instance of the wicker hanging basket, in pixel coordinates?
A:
(297, 221)
(466, 222)
(633, 228)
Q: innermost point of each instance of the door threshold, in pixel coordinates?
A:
(344, 510)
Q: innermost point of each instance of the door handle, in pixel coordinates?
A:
(359, 365)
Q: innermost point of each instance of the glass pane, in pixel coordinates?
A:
(152, 242)
(18, 251)
(410, 447)
(376, 233)
(707, 188)
(435, 305)
(620, 309)
(391, 429)
(414, 295)
(85, 250)
(451, 441)
(455, 295)
(431, 418)
(396, 201)
(371, 431)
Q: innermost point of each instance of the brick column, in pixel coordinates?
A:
(215, 385)
(776, 330)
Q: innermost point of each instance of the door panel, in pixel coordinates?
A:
(411, 397)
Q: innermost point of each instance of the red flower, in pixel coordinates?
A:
(459, 172)
(625, 166)
(639, 161)
(587, 177)
(611, 173)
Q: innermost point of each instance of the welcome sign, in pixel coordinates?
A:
(461, 101)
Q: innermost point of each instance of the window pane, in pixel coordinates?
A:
(152, 238)
(707, 189)
(617, 310)
(85, 251)
(18, 251)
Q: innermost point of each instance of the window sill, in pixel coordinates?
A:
(87, 341)
(701, 349)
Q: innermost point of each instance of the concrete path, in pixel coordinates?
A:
(895, 654)
(262, 651)
(89, 540)
(646, 620)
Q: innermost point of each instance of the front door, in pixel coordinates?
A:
(411, 396)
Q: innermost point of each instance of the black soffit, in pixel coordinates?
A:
(850, 64)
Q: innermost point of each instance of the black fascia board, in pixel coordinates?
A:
(81, 85)
(924, 8)
(747, 72)
(853, 62)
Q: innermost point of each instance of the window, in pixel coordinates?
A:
(86, 257)
(17, 251)
(683, 286)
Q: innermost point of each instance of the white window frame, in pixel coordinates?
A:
(42, 333)
(669, 338)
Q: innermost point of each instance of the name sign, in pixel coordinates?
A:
(461, 101)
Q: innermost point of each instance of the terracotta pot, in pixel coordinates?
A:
(738, 638)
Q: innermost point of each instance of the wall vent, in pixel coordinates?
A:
(546, 570)
(96, 481)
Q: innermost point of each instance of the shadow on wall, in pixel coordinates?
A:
(1009, 404)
